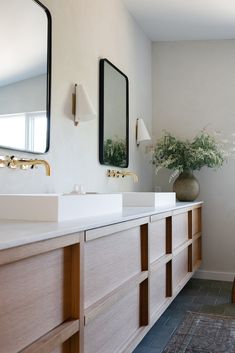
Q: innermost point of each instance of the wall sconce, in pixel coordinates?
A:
(142, 133)
(82, 108)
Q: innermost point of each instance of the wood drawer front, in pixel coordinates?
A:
(179, 267)
(113, 327)
(196, 251)
(64, 348)
(179, 229)
(157, 283)
(114, 228)
(109, 261)
(157, 240)
(33, 298)
(196, 220)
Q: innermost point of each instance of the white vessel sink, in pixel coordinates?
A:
(57, 207)
(148, 199)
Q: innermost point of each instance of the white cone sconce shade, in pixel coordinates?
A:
(142, 133)
(83, 109)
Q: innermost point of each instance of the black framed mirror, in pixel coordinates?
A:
(25, 76)
(113, 116)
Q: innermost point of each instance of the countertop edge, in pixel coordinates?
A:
(18, 233)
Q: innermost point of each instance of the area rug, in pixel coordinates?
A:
(203, 333)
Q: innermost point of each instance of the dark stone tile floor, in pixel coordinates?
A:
(198, 295)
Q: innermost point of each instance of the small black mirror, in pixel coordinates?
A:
(113, 116)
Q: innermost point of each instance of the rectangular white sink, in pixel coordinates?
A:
(148, 199)
(57, 207)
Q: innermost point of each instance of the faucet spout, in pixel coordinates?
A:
(13, 163)
(44, 163)
(117, 173)
(134, 175)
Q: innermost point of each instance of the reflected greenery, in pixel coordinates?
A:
(115, 152)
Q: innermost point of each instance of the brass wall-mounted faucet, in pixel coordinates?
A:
(13, 163)
(117, 173)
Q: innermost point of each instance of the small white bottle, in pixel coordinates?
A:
(78, 189)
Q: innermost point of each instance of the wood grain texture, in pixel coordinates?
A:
(111, 298)
(34, 298)
(200, 219)
(109, 262)
(168, 235)
(157, 288)
(190, 224)
(160, 262)
(190, 258)
(183, 246)
(154, 270)
(63, 348)
(160, 216)
(115, 326)
(115, 228)
(182, 283)
(197, 235)
(186, 209)
(144, 303)
(129, 273)
(22, 252)
(179, 229)
(196, 251)
(179, 267)
(77, 297)
(54, 338)
(134, 340)
(197, 265)
(196, 220)
(157, 240)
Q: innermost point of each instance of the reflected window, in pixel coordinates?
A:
(24, 131)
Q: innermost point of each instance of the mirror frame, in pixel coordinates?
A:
(101, 112)
(48, 83)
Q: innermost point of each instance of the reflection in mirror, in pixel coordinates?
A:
(114, 116)
(25, 41)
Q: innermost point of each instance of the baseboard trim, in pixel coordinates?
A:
(214, 275)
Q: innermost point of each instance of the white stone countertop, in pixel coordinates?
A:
(17, 233)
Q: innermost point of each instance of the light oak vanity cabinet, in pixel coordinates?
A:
(132, 272)
(97, 291)
(174, 255)
(115, 285)
(159, 233)
(40, 307)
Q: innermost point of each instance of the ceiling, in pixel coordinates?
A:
(170, 20)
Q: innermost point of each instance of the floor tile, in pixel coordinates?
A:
(198, 295)
(162, 337)
(206, 299)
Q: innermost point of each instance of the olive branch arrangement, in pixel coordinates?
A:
(182, 155)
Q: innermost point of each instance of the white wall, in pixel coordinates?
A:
(84, 31)
(194, 87)
(24, 96)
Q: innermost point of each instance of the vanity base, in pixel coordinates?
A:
(73, 293)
